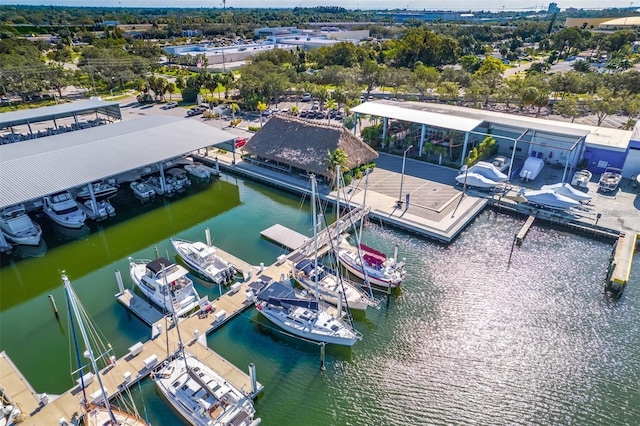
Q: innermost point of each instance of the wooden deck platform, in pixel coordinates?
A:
(620, 267)
(284, 236)
(16, 388)
(524, 230)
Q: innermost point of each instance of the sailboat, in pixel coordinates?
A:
(327, 282)
(98, 409)
(367, 263)
(199, 394)
(304, 316)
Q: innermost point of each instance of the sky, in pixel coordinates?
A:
(492, 5)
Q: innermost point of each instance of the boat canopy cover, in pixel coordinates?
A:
(279, 294)
(158, 264)
(568, 191)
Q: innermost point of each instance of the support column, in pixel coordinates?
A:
(75, 118)
(29, 126)
(513, 157)
(464, 148)
(385, 125)
(423, 134)
(355, 124)
(163, 184)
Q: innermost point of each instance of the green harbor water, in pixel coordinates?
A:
(468, 340)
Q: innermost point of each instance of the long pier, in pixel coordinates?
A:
(620, 263)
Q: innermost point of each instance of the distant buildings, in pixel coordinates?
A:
(603, 23)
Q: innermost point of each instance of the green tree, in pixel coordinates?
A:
(603, 104)
(568, 106)
(261, 107)
(336, 158)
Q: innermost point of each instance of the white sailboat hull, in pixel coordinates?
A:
(379, 278)
(278, 317)
(209, 265)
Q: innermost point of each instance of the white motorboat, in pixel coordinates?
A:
(179, 178)
(487, 170)
(203, 259)
(367, 263)
(154, 183)
(63, 210)
(303, 316)
(165, 283)
(475, 180)
(100, 211)
(198, 171)
(549, 198)
(17, 226)
(202, 396)
(581, 178)
(568, 191)
(101, 190)
(142, 191)
(98, 411)
(610, 179)
(531, 168)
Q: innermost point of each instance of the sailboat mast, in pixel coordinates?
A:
(315, 233)
(364, 200)
(72, 299)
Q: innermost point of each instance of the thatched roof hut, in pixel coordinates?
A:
(306, 144)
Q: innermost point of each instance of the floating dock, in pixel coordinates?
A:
(140, 307)
(620, 264)
(524, 230)
(284, 236)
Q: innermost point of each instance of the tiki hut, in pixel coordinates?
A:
(304, 145)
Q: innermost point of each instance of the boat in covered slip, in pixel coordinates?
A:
(178, 178)
(330, 286)
(198, 170)
(581, 178)
(549, 198)
(17, 226)
(101, 210)
(203, 259)
(165, 283)
(568, 191)
(63, 210)
(610, 179)
(303, 316)
(154, 183)
(142, 190)
(101, 191)
(202, 396)
(98, 411)
(370, 264)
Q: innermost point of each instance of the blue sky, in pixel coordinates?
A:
(493, 5)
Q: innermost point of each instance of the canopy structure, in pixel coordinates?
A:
(30, 116)
(35, 168)
(414, 115)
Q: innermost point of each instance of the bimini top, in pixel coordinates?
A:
(37, 167)
(24, 116)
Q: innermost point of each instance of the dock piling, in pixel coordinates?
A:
(252, 376)
(207, 234)
(155, 252)
(119, 280)
(513, 244)
(53, 305)
(322, 352)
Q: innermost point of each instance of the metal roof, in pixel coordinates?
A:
(38, 167)
(24, 116)
(414, 115)
(444, 115)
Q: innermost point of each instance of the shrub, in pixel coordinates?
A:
(235, 122)
(189, 94)
(254, 128)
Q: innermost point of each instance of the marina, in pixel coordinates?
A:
(445, 316)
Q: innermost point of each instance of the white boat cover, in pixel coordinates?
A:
(568, 191)
(487, 170)
(475, 179)
(550, 198)
(531, 168)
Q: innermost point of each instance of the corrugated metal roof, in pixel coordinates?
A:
(38, 167)
(24, 116)
(413, 115)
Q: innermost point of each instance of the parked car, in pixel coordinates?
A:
(170, 105)
(338, 116)
(306, 97)
(304, 113)
(321, 114)
(195, 111)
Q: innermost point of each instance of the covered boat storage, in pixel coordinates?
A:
(558, 143)
(29, 170)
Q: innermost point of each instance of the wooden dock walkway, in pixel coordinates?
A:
(284, 236)
(140, 307)
(524, 230)
(620, 265)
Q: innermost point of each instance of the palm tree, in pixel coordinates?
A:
(336, 158)
(234, 109)
(331, 105)
(261, 107)
(440, 151)
(171, 88)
